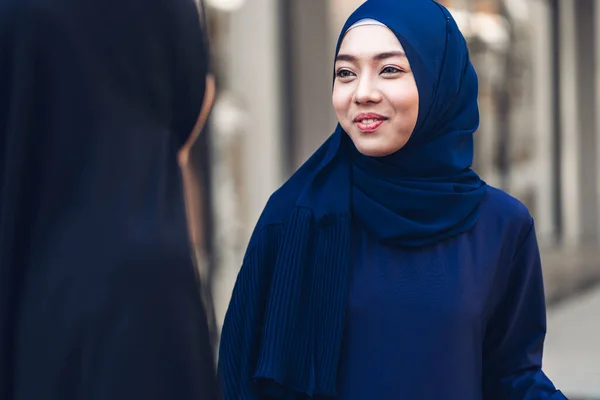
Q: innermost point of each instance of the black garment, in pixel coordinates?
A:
(99, 297)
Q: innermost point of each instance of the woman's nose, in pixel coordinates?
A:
(367, 91)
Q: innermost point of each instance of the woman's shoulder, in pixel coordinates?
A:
(505, 212)
(497, 200)
(279, 209)
(283, 201)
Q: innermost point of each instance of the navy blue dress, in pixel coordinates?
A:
(460, 320)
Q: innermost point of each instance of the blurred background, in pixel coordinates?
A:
(539, 68)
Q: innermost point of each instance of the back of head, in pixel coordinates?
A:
(96, 98)
(96, 94)
(150, 56)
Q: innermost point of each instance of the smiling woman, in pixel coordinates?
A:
(375, 95)
(385, 267)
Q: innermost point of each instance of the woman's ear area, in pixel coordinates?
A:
(207, 104)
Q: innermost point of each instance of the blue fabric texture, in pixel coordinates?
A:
(464, 319)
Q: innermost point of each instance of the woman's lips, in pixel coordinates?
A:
(369, 125)
(369, 122)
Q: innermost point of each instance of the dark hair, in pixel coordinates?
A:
(203, 17)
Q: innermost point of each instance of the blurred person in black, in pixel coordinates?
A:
(100, 101)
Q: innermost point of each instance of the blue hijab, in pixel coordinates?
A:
(423, 194)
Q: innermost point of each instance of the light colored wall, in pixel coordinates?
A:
(597, 112)
(541, 59)
(252, 66)
(253, 70)
(310, 77)
(570, 126)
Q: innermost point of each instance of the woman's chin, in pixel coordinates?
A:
(376, 147)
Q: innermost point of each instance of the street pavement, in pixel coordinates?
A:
(572, 349)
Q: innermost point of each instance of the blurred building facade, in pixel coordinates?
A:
(539, 67)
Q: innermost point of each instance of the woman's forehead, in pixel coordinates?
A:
(370, 38)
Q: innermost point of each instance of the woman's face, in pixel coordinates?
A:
(375, 95)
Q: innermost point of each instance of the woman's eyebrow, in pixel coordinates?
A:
(378, 57)
(390, 54)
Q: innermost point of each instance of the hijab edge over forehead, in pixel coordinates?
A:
(366, 22)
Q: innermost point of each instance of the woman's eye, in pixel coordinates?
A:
(391, 70)
(344, 73)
